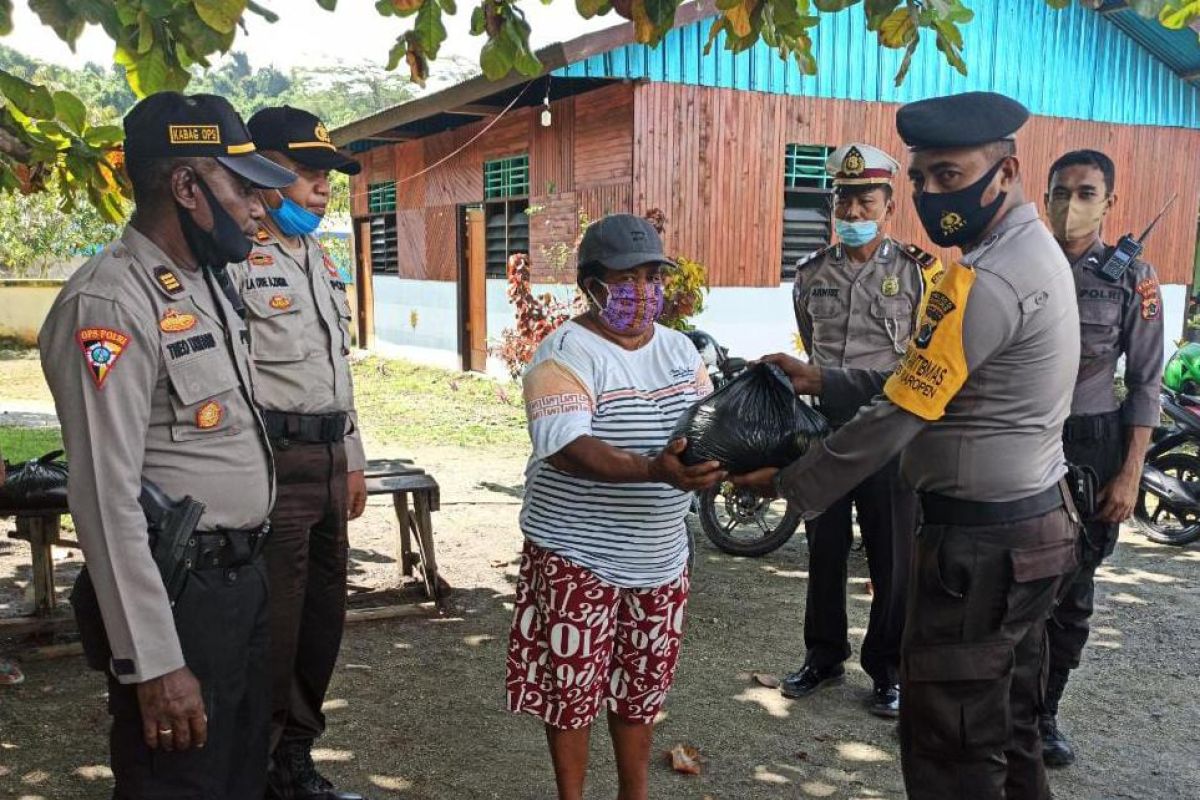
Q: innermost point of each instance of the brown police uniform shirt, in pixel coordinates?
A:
(299, 320)
(149, 383)
(859, 315)
(1010, 323)
(1115, 319)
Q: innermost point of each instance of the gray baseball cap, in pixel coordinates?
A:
(621, 242)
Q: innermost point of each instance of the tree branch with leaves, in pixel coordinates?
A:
(48, 138)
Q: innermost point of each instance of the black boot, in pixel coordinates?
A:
(1056, 748)
(294, 776)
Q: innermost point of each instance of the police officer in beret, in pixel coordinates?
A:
(1121, 317)
(856, 305)
(299, 322)
(151, 380)
(975, 410)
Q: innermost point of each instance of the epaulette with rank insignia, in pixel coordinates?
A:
(813, 256)
(931, 265)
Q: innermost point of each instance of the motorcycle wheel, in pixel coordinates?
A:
(743, 524)
(1160, 522)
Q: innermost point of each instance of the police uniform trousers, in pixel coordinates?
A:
(221, 618)
(887, 518)
(306, 556)
(1096, 441)
(974, 654)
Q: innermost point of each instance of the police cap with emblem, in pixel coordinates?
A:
(620, 242)
(860, 165)
(960, 120)
(300, 136)
(174, 125)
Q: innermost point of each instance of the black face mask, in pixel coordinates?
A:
(954, 219)
(224, 244)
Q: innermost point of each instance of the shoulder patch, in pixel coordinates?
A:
(258, 259)
(168, 280)
(101, 349)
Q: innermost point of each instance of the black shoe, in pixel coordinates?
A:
(294, 776)
(808, 679)
(885, 701)
(1056, 748)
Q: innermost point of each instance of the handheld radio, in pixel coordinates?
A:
(1127, 249)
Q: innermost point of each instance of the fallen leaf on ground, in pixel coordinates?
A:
(769, 681)
(685, 759)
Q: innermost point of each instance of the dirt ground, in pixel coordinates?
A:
(416, 706)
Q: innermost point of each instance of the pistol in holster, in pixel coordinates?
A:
(1084, 486)
(171, 526)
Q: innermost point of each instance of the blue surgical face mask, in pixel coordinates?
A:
(856, 234)
(292, 219)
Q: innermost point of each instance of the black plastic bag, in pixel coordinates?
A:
(38, 485)
(754, 421)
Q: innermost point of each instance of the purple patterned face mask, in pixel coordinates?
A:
(631, 307)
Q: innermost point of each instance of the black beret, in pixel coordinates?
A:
(960, 120)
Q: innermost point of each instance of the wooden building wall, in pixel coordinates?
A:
(583, 162)
(713, 160)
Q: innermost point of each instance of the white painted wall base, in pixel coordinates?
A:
(751, 322)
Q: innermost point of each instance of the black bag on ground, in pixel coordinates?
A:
(754, 421)
(37, 485)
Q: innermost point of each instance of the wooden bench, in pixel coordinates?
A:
(402, 479)
(42, 529)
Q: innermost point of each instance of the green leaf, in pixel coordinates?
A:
(497, 57)
(59, 16)
(104, 136)
(907, 62)
(429, 30)
(592, 8)
(31, 100)
(878, 11)
(71, 110)
(397, 53)
(661, 13)
(220, 15)
(266, 13)
(478, 21)
(145, 33)
(449, 6)
(527, 63)
(832, 6)
(6, 23)
(328, 5)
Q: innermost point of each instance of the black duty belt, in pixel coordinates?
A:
(305, 428)
(1090, 427)
(225, 549)
(938, 509)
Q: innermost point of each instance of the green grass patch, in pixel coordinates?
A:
(23, 444)
(405, 404)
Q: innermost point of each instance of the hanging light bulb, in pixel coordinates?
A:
(547, 119)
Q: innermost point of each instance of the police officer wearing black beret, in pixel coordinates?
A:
(975, 409)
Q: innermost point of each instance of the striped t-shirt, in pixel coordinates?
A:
(631, 535)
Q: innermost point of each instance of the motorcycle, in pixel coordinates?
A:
(738, 522)
(1168, 503)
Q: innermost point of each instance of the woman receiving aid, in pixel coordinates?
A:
(603, 581)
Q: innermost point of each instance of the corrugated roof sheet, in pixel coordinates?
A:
(1071, 63)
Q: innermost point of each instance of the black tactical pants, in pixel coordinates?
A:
(221, 617)
(887, 518)
(974, 656)
(306, 556)
(1099, 443)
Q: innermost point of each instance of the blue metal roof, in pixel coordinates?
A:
(1071, 63)
(1179, 50)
